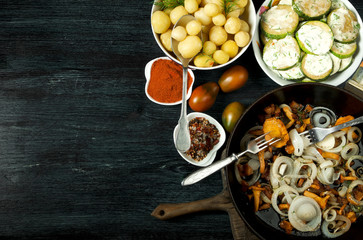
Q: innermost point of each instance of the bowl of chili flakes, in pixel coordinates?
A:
(207, 136)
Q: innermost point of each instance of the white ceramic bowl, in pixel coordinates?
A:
(212, 154)
(334, 80)
(249, 16)
(147, 76)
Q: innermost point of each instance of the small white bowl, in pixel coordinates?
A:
(334, 80)
(249, 16)
(212, 154)
(147, 76)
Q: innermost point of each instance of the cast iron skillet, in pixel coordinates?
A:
(316, 94)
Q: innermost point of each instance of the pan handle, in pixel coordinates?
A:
(166, 211)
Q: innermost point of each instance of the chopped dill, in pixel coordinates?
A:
(165, 4)
(229, 6)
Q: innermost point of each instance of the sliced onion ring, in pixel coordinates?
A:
(350, 134)
(341, 145)
(330, 214)
(349, 161)
(309, 207)
(352, 185)
(338, 231)
(349, 150)
(297, 142)
(289, 192)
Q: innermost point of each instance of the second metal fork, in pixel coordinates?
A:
(253, 146)
(318, 134)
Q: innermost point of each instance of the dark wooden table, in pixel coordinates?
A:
(83, 153)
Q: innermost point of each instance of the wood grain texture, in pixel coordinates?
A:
(83, 152)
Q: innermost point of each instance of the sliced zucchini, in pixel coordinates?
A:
(286, 2)
(336, 63)
(263, 38)
(281, 54)
(345, 63)
(317, 67)
(344, 25)
(311, 9)
(307, 80)
(315, 37)
(343, 50)
(293, 73)
(279, 21)
(337, 4)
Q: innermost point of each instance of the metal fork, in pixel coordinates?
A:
(317, 134)
(253, 146)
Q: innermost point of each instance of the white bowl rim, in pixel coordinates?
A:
(251, 11)
(212, 154)
(147, 72)
(334, 80)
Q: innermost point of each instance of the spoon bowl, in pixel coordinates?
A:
(182, 142)
(183, 21)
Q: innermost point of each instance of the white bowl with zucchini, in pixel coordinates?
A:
(308, 41)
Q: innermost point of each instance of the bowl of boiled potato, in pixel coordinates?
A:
(226, 28)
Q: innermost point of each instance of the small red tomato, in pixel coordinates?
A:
(233, 79)
(204, 96)
(231, 114)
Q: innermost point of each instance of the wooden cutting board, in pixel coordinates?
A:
(222, 202)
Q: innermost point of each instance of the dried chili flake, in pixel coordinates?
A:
(204, 136)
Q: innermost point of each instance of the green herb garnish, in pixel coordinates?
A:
(164, 4)
(229, 6)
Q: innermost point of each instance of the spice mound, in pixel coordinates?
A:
(204, 136)
(166, 81)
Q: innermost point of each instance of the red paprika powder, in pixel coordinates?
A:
(166, 81)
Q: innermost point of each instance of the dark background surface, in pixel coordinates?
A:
(83, 152)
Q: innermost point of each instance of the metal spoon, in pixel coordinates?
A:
(182, 142)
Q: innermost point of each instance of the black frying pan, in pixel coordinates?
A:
(340, 101)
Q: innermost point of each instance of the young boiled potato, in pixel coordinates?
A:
(232, 25)
(209, 47)
(242, 38)
(219, 3)
(206, 29)
(179, 33)
(235, 13)
(190, 46)
(230, 47)
(165, 40)
(203, 60)
(212, 9)
(160, 21)
(241, 3)
(241, 11)
(219, 19)
(177, 13)
(193, 27)
(244, 26)
(167, 11)
(218, 35)
(220, 56)
(202, 17)
(191, 5)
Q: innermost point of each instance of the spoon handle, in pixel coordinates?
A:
(209, 170)
(183, 135)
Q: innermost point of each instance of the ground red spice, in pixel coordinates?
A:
(166, 81)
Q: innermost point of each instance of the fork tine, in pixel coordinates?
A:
(305, 133)
(260, 148)
(262, 136)
(265, 144)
